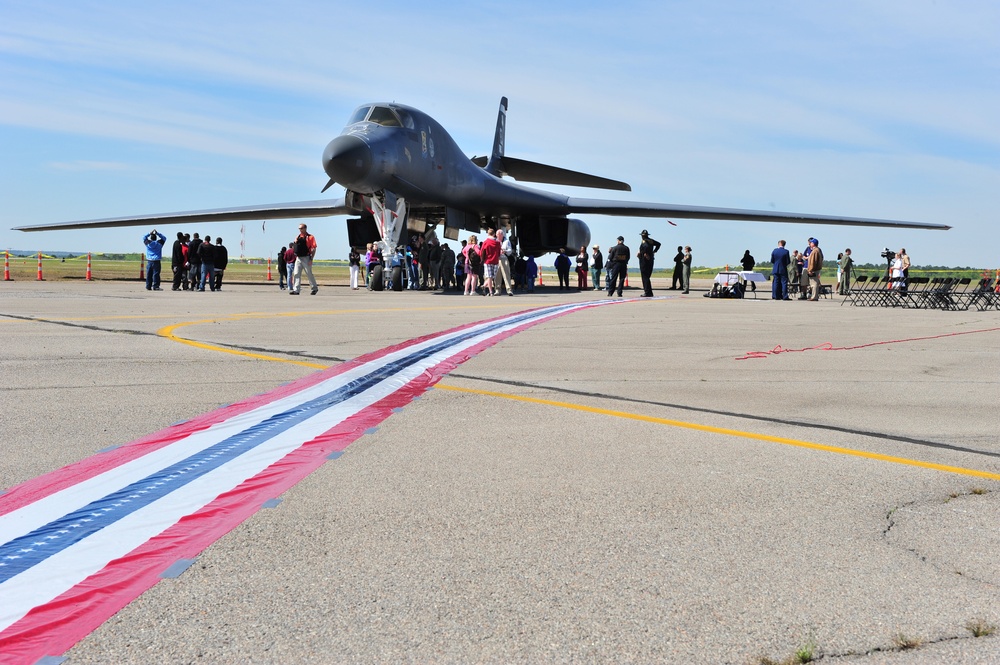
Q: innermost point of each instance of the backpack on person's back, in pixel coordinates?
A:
(302, 246)
(474, 258)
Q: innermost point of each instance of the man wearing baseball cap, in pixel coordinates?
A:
(814, 264)
(804, 275)
(618, 257)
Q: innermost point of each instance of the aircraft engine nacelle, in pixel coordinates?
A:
(550, 234)
(577, 235)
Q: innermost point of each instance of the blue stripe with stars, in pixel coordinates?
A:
(24, 552)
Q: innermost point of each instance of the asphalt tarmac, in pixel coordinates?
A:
(615, 485)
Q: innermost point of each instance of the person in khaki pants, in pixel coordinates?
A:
(813, 266)
(305, 251)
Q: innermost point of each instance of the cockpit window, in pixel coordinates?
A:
(405, 118)
(384, 116)
(359, 114)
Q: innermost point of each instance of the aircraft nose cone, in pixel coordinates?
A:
(347, 159)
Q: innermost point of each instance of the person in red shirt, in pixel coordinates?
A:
(305, 250)
(490, 251)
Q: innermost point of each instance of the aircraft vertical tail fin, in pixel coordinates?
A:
(495, 165)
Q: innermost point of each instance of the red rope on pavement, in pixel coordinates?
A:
(827, 346)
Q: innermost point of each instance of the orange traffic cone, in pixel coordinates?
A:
(6, 267)
(89, 275)
(269, 269)
(626, 279)
(40, 278)
(142, 266)
(541, 282)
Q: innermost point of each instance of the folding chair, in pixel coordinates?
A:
(992, 293)
(881, 292)
(995, 296)
(977, 294)
(937, 297)
(923, 298)
(913, 295)
(854, 289)
(985, 295)
(894, 296)
(954, 299)
(876, 286)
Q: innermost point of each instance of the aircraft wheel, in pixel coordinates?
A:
(377, 282)
(396, 277)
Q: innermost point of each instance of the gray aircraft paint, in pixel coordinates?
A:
(396, 161)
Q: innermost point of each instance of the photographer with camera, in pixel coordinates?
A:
(897, 279)
(895, 269)
(154, 254)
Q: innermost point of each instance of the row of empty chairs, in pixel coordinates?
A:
(946, 293)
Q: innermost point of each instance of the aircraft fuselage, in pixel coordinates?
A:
(418, 160)
(402, 170)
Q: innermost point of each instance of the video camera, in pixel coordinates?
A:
(888, 254)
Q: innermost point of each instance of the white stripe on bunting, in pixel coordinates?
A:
(55, 546)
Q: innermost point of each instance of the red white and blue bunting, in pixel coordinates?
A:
(80, 543)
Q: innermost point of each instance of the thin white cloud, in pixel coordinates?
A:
(882, 109)
(88, 165)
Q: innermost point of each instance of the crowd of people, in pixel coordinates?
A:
(488, 268)
(802, 270)
(197, 263)
(493, 266)
(194, 262)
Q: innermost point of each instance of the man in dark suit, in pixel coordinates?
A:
(678, 269)
(779, 272)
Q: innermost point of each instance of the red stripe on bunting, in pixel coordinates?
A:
(58, 480)
(54, 627)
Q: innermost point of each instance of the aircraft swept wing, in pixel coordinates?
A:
(295, 210)
(402, 171)
(665, 210)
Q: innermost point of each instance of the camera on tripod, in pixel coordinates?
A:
(888, 254)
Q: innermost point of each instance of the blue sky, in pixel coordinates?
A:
(874, 109)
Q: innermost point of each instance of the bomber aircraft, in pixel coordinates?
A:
(401, 170)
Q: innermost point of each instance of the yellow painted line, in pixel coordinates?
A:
(168, 332)
(731, 432)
